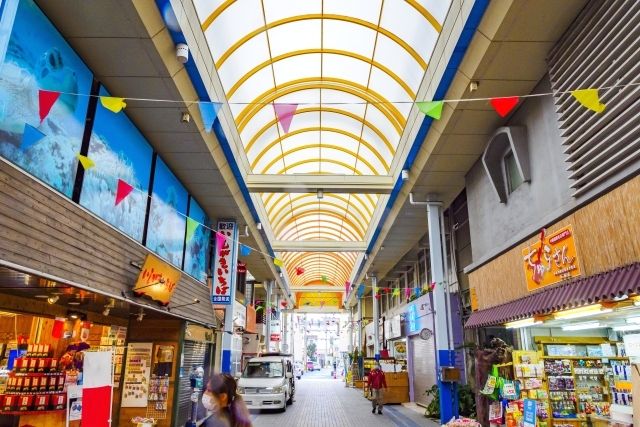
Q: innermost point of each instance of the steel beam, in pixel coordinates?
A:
(318, 246)
(372, 184)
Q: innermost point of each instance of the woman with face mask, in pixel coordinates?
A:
(227, 406)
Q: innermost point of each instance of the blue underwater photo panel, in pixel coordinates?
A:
(197, 248)
(119, 151)
(167, 218)
(33, 56)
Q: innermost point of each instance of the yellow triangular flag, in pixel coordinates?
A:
(278, 262)
(113, 103)
(589, 99)
(86, 162)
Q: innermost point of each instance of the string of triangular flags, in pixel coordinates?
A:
(284, 112)
(589, 98)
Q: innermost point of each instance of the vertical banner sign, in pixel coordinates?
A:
(530, 413)
(225, 257)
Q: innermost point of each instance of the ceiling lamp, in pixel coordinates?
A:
(576, 313)
(582, 326)
(531, 321)
(320, 194)
(53, 299)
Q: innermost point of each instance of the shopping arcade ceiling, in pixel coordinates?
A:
(353, 69)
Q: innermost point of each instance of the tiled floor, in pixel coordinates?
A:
(320, 402)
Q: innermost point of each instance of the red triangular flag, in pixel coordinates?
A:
(285, 113)
(504, 105)
(46, 99)
(123, 191)
(299, 271)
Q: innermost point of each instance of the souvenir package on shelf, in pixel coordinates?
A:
(529, 373)
(591, 391)
(620, 383)
(463, 422)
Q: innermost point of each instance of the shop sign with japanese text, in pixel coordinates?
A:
(557, 261)
(224, 259)
(157, 280)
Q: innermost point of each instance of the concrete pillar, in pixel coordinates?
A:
(267, 316)
(445, 354)
(226, 260)
(376, 319)
(359, 325)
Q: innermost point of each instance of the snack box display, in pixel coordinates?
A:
(59, 401)
(9, 402)
(41, 402)
(25, 402)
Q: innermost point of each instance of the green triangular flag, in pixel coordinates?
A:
(324, 278)
(192, 224)
(431, 108)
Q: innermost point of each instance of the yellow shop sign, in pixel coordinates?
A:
(557, 261)
(157, 280)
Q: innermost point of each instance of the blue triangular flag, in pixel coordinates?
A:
(209, 112)
(360, 291)
(245, 250)
(30, 136)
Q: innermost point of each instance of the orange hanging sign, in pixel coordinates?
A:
(157, 280)
(552, 259)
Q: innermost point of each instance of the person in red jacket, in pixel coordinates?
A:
(377, 382)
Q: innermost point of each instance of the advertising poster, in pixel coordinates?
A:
(167, 218)
(225, 257)
(197, 248)
(119, 151)
(33, 56)
(135, 389)
(530, 407)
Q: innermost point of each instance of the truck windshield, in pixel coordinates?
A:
(263, 370)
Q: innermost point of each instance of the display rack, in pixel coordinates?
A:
(529, 373)
(114, 339)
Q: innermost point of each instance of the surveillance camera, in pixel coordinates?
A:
(186, 117)
(182, 52)
(405, 174)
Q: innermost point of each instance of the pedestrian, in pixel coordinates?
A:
(227, 406)
(377, 382)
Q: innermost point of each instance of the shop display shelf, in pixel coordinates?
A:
(586, 357)
(48, 411)
(36, 374)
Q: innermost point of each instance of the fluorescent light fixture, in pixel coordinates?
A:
(626, 328)
(522, 323)
(633, 320)
(581, 326)
(576, 313)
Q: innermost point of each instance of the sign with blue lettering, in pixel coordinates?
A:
(530, 407)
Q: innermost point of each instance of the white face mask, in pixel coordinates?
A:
(208, 402)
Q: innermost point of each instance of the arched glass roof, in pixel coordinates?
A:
(353, 67)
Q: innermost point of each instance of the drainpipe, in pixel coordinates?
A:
(376, 320)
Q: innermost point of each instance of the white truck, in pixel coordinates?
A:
(267, 382)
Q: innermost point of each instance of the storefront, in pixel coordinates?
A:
(421, 350)
(569, 313)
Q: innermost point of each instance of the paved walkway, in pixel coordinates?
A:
(324, 402)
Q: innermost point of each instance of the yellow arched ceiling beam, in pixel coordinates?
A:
(314, 213)
(271, 208)
(359, 158)
(340, 210)
(265, 99)
(353, 136)
(348, 256)
(343, 233)
(311, 16)
(323, 109)
(308, 235)
(304, 229)
(292, 221)
(285, 222)
(314, 261)
(338, 52)
(319, 160)
(217, 12)
(325, 268)
(427, 15)
(274, 215)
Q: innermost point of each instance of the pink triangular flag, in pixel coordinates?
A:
(46, 99)
(220, 238)
(124, 189)
(285, 113)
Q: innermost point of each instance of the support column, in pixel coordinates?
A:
(285, 332)
(359, 326)
(224, 289)
(267, 317)
(445, 354)
(376, 319)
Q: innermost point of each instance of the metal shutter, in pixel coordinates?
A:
(194, 354)
(424, 367)
(601, 49)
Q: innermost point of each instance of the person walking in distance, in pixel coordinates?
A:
(377, 382)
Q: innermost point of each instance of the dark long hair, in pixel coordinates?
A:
(236, 409)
